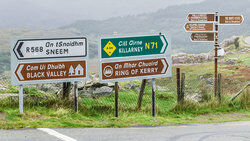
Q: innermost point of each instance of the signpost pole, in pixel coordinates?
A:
(116, 99)
(143, 85)
(216, 55)
(21, 99)
(76, 96)
(153, 97)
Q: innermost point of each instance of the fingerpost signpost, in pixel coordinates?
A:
(204, 28)
(133, 58)
(48, 60)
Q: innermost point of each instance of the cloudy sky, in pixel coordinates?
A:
(62, 12)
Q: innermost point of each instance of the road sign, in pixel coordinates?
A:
(31, 73)
(50, 48)
(231, 19)
(133, 46)
(201, 17)
(135, 69)
(189, 27)
(202, 37)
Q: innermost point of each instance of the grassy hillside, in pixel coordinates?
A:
(171, 21)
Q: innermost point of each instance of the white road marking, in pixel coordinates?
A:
(56, 134)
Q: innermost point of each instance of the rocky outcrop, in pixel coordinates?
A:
(131, 85)
(93, 88)
(183, 58)
(192, 58)
(196, 97)
(50, 88)
(227, 42)
(208, 79)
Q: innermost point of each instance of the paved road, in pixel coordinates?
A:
(232, 131)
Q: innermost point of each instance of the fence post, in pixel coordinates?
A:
(182, 86)
(116, 99)
(143, 84)
(219, 86)
(178, 84)
(66, 90)
(76, 96)
(153, 97)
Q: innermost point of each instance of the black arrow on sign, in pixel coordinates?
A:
(19, 49)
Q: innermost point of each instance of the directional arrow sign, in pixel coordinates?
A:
(231, 19)
(133, 46)
(134, 70)
(189, 27)
(50, 48)
(202, 37)
(201, 17)
(32, 73)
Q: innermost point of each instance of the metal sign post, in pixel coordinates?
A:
(21, 99)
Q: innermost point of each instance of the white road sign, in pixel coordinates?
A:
(50, 48)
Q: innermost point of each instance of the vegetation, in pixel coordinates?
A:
(4, 61)
(53, 112)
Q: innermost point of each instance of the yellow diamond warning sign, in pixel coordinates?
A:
(109, 48)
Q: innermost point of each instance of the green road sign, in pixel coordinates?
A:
(133, 46)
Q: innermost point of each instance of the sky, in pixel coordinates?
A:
(63, 12)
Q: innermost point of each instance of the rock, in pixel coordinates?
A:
(228, 42)
(131, 85)
(93, 88)
(208, 78)
(194, 97)
(210, 81)
(103, 91)
(112, 85)
(88, 92)
(52, 88)
(192, 58)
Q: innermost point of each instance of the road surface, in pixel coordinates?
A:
(231, 131)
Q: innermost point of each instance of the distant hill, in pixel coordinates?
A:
(169, 20)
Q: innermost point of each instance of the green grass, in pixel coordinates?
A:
(99, 112)
(26, 90)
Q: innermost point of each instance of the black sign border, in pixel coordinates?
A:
(50, 39)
